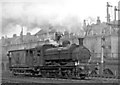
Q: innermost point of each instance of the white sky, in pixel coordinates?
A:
(62, 8)
(58, 10)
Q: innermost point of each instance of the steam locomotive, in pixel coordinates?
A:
(48, 60)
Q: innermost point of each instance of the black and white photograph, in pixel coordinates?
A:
(58, 42)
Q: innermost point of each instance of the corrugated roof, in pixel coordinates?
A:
(43, 31)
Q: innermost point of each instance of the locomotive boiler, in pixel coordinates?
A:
(70, 54)
(47, 60)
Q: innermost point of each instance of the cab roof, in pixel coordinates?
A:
(37, 47)
(21, 50)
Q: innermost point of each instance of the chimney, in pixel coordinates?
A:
(119, 16)
(3, 37)
(98, 20)
(80, 41)
(84, 23)
(28, 33)
(14, 35)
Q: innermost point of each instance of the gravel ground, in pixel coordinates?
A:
(8, 78)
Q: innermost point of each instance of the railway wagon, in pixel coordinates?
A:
(70, 61)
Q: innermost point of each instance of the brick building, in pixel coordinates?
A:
(94, 41)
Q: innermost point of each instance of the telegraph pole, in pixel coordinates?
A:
(115, 10)
(102, 52)
(108, 15)
(103, 40)
(21, 34)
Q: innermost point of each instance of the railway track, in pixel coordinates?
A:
(8, 77)
(32, 79)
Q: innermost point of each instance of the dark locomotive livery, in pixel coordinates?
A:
(66, 61)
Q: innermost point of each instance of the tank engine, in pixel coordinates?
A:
(51, 61)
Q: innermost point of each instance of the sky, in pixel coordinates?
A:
(35, 14)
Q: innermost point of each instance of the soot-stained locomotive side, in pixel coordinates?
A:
(47, 60)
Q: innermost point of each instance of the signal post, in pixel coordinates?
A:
(102, 63)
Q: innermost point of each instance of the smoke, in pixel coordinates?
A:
(14, 14)
(32, 15)
(73, 24)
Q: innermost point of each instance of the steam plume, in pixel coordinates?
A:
(32, 16)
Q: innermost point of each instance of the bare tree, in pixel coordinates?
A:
(88, 26)
(87, 30)
(90, 20)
